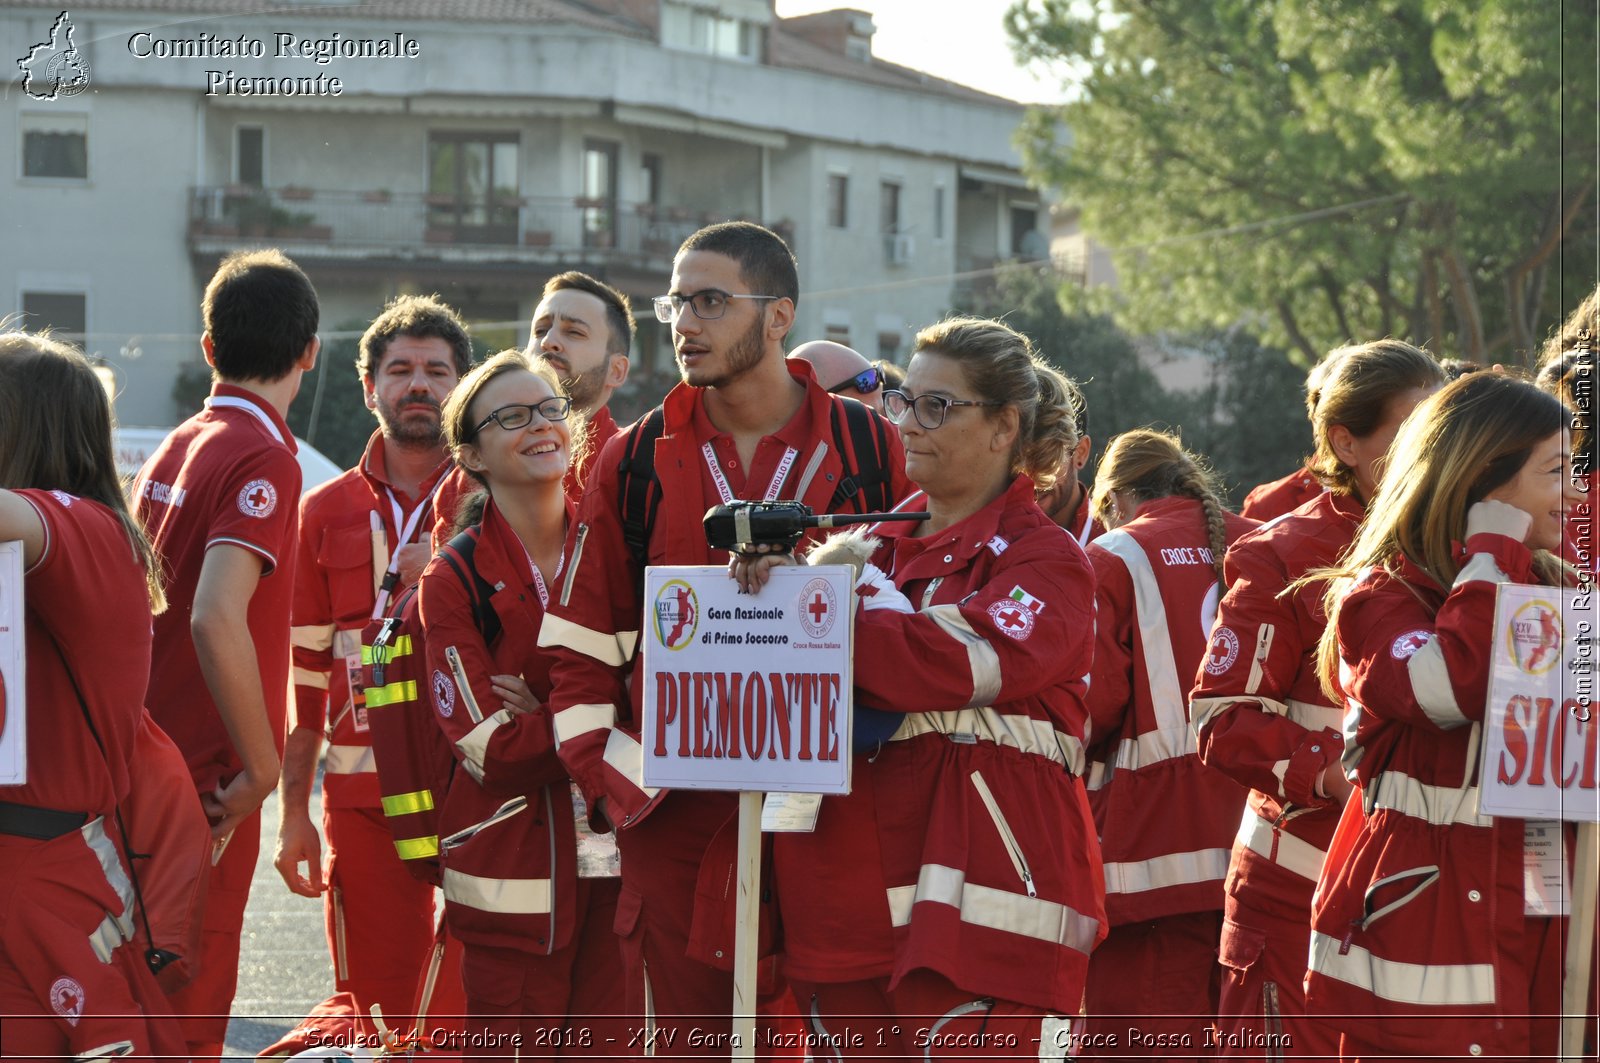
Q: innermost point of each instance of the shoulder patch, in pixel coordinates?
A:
(444, 693)
(1408, 644)
(1014, 619)
(1223, 651)
(258, 498)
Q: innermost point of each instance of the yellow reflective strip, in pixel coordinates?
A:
(408, 804)
(391, 694)
(400, 647)
(417, 848)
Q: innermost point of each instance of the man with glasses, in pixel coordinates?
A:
(843, 371)
(745, 423)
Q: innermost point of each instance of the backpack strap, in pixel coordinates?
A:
(638, 489)
(869, 483)
(459, 554)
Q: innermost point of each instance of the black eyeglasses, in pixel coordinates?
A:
(866, 382)
(929, 410)
(708, 304)
(520, 414)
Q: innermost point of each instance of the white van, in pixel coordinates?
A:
(134, 445)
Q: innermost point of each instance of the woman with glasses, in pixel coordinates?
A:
(957, 890)
(508, 847)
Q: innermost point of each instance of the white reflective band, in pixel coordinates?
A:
(505, 896)
(1003, 729)
(310, 677)
(347, 643)
(994, 909)
(112, 1050)
(559, 631)
(626, 641)
(626, 756)
(1481, 567)
(981, 657)
(1170, 736)
(1442, 806)
(113, 929)
(1173, 869)
(1294, 854)
(1430, 686)
(474, 745)
(111, 934)
(453, 657)
(314, 637)
(575, 720)
(1258, 659)
(232, 403)
(1203, 710)
(349, 760)
(1313, 717)
(1437, 985)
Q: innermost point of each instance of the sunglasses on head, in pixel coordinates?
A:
(866, 382)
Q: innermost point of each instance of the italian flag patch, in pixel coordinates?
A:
(1028, 601)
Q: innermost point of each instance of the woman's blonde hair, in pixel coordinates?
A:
(55, 435)
(1150, 465)
(1002, 366)
(1355, 388)
(1459, 445)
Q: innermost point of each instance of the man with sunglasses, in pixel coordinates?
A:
(745, 423)
(843, 371)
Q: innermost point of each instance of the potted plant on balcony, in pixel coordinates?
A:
(295, 192)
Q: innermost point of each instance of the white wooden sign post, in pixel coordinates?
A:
(1541, 728)
(13, 662)
(748, 693)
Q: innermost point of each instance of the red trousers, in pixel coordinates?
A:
(925, 1017)
(1261, 1013)
(203, 1005)
(379, 918)
(567, 1003)
(1152, 989)
(58, 997)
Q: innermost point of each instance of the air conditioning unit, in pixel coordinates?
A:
(900, 247)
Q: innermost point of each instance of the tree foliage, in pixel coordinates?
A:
(1329, 170)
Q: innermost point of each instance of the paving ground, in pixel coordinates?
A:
(284, 967)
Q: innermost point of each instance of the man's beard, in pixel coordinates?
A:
(745, 354)
(410, 430)
(588, 387)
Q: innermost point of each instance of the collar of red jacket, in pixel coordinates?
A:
(506, 559)
(965, 538)
(683, 410)
(376, 470)
(220, 389)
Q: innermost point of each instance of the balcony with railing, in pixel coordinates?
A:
(383, 225)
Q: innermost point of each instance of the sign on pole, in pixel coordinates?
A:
(13, 684)
(1540, 726)
(747, 692)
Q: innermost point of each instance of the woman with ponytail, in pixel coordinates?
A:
(1423, 924)
(957, 891)
(1261, 717)
(1166, 821)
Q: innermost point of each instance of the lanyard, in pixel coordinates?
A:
(784, 465)
(407, 527)
(538, 578)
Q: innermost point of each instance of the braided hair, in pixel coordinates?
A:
(1150, 465)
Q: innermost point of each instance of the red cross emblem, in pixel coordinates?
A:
(1012, 619)
(258, 498)
(818, 609)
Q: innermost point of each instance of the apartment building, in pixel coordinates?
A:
(474, 148)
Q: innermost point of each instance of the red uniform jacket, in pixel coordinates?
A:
(593, 625)
(601, 427)
(342, 559)
(1418, 925)
(507, 841)
(1259, 712)
(1269, 500)
(1166, 821)
(985, 865)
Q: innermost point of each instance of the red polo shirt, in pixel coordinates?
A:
(227, 475)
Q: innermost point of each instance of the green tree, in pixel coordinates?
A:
(1329, 170)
